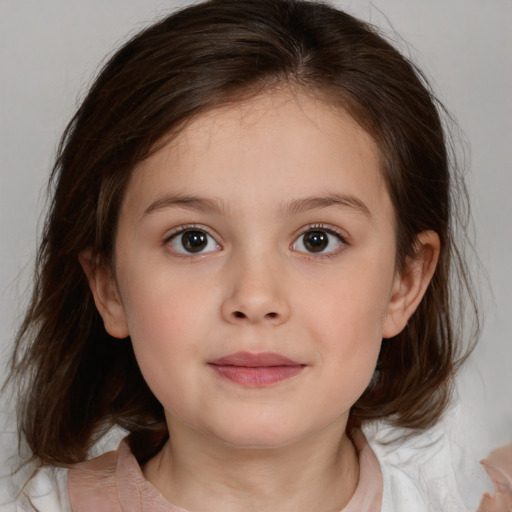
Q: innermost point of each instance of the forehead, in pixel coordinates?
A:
(276, 145)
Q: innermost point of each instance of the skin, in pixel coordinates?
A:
(245, 175)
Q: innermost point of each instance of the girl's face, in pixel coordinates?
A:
(255, 271)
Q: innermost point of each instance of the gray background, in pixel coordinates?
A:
(50, 50)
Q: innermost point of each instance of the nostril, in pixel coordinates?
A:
(241, 314)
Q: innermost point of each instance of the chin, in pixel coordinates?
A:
(257, 434)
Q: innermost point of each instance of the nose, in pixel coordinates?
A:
(255, 294)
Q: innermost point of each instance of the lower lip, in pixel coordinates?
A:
(258, 376)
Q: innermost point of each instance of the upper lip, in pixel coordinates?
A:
(253, 360)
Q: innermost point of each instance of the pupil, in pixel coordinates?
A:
(315, 241)
(194, 241)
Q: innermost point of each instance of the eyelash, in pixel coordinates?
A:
(180, 230)
(327, 229)
(306, 229)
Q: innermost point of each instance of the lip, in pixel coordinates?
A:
(256, 370)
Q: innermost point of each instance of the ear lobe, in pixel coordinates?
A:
(106, 297)
(410, 286)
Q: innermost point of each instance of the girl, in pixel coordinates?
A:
(247, 260)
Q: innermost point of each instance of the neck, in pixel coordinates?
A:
(198, 473)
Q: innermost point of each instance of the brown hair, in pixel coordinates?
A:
(76, 381)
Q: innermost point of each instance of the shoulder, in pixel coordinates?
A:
(436, 470)
(92, 485)
(27, 488)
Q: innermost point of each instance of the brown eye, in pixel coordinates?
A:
(318, 241)
(193, 241)
(315, 241)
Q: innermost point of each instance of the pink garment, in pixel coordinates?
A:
(499, 468)
(114, 482)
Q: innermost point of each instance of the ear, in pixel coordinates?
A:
(410, 286)
(105, 293)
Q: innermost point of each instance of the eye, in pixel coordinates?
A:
(193, 241)
(319, 241)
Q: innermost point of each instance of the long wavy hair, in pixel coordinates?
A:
(74, 380)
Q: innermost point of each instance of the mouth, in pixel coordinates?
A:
(256, 370)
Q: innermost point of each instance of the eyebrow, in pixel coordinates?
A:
(201, 204)
(342, 200)
(209, 205)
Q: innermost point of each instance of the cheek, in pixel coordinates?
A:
(164, 331)
(346, 318)
(163, 317)
(351, 307)
(351, 343)
(349, 354)
(161, 303)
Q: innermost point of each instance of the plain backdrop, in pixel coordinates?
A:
(50, 50)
